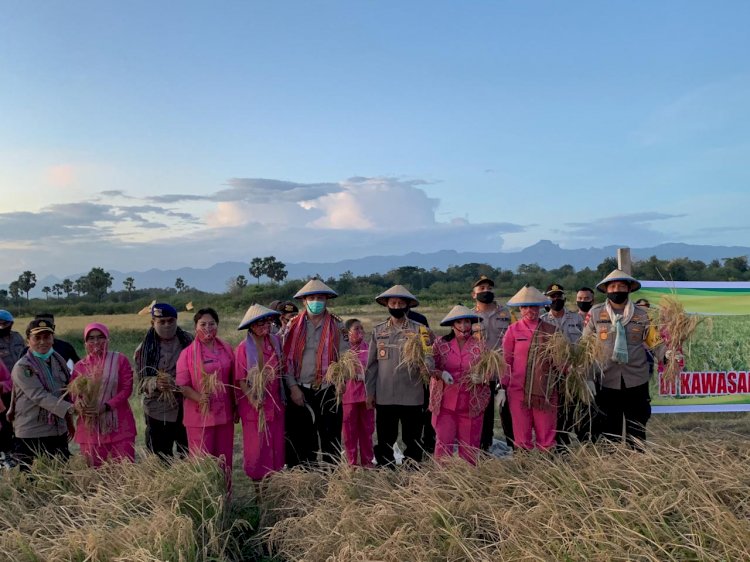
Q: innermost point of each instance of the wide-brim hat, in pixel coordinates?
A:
(254, 313)
(397, 292)
(618, 275)
(457, 313)
(528, 296)
(316, 287)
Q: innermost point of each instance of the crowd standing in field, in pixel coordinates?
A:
(280, 382)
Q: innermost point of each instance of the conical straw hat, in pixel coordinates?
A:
(618, 275)
(398, 292)
(316, 287)
(528, 296)
(254, 313)
(457, 313)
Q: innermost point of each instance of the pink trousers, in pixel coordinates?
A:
(359, 425)
(263, 452)
(214, 440)
(457, 427)
(525, 419)
(97, 453)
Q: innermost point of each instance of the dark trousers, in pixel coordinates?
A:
(6, 429)
(163, 437)
(507, 423)
(428, 432)
(304, 438)
(634, 404)
(387, 419)
(28, 449)
(488, 422)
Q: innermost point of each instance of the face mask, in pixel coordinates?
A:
(557, 305)
(618, 297)
(4, 332)
(95, 347)
(531, 314)
(166, 331)
(207, 335)
(397, 312)
(315, 307)
(546, 307)
(463, 334)
(43, 356)
(261, 331)
(584, 306)
(486, 297)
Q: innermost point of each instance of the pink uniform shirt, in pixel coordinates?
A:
(220, 360)
(272, 402)
(356, 390)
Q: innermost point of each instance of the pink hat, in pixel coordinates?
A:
(95, 326)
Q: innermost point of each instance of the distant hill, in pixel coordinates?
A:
(544, 253)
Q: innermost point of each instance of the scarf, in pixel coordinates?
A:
(328, 349)
(540, 382)
(109, 364)
(47, 380)
(620, 350)
(147, 359)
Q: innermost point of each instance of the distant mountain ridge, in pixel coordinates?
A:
(545, 253)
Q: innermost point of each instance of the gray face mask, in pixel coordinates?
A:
(166, 332)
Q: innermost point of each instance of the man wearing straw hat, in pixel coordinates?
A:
(622, 329)
(495, 321)
(393, 387)
(315, 339)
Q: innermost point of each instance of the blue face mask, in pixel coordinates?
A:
(43, 356)
(315, 307)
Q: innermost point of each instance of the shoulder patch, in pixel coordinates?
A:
(336, 317)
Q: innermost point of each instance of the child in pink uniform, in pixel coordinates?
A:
(263, 447)
(532, 395)
(106, 428)
(211, 433)
(359, 420)
(458, 396)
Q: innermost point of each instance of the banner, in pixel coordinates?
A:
(717, 371)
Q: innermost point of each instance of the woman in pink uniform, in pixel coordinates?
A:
(106, 427)
(458, 395)
(208, 416)
(359, 420)
(532, 392)
(262, 435)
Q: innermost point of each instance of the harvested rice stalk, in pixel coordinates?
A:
(413, 356)
(586, 359)
(150, 386)
(490, 365)
(347, 368)
(555, 350)
(676, 327)
(85, 389)
(258, 381)
(210, 386)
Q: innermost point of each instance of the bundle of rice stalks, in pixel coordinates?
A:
(555, 350)
(491, 365)
(258, 381)
(347, 368)
(676, 328)
(210, 386)
(413, 356)
(85, 389)
(151, 385)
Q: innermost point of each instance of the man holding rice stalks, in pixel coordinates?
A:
(315, 339)
(496, 319)
(156, 364)
(624, 331)
(398, 367)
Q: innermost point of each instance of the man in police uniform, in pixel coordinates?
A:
(393, 389)
(496, 319)
(11, 350)
(625, 332)
(584, 302)
(158, 352)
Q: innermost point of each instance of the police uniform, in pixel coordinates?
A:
(570, 324)
(399, 393)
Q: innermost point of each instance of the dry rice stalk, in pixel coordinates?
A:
(413, 356)
(210, 386)
(676, 327)
(85, 389)
(347, 368)
(258, 381)
(491, 364)
(150, 386)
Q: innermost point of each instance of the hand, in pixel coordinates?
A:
(93, 410)
(370, 402)
(591, 388)
(71, 426)
(500, 398)
(476, 378)
(447, 377)
(163, 385)
(361, 377)
(236, 417)
(204, 400)
(297, 396)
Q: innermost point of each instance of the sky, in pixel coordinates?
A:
(149, 134)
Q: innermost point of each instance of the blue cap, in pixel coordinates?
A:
(6, 316)
(163, 310)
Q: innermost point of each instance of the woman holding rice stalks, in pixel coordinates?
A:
(359, 420)
(101, 385)
(204, 371)
(529, 375)
(459, 389)
(260, 393)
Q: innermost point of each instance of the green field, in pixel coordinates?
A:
(706, 301)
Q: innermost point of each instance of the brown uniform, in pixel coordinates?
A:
(493, 326)
(570, 324)
(11, 349)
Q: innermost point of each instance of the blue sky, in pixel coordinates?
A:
(138, 135)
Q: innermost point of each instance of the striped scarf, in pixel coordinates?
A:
(107, 367)
(327, 352)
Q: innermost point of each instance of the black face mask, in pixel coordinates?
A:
(584, 306)
(557, 305)
(618, 297)
(546, 308)
(4, 332)
(486, 297)
(397, 313)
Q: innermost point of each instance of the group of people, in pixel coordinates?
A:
(195, 387)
